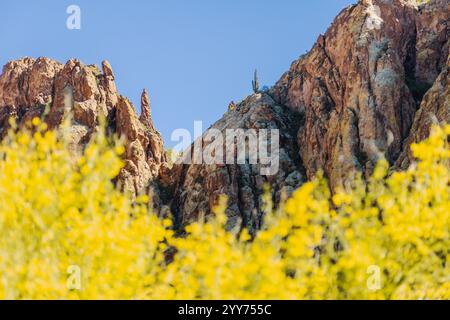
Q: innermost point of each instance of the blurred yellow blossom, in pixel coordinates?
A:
(66, 232)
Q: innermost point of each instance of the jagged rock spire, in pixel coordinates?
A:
(45, 88)
(107, 69)
(146, 113)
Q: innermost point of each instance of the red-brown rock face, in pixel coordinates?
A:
(357, 92)
(45, 88)
(360, 85)
(432, 41)
(199, 186)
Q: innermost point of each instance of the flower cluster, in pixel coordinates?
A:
(67, 232)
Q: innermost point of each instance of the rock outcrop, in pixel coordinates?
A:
(197, 187)
(360, 85)
(350, 101)
(48, 89)
(144, 149)
(432, 43)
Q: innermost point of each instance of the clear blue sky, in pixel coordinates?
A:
(194, 56)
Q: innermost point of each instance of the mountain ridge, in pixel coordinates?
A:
(371, 85)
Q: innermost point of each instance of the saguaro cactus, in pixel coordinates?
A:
(255, 82)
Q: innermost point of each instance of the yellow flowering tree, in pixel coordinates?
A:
(66, 232)
(388, 239)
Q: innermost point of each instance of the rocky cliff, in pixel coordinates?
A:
(48, 89)
(198, 187)
(370, 86)
(360, 86)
